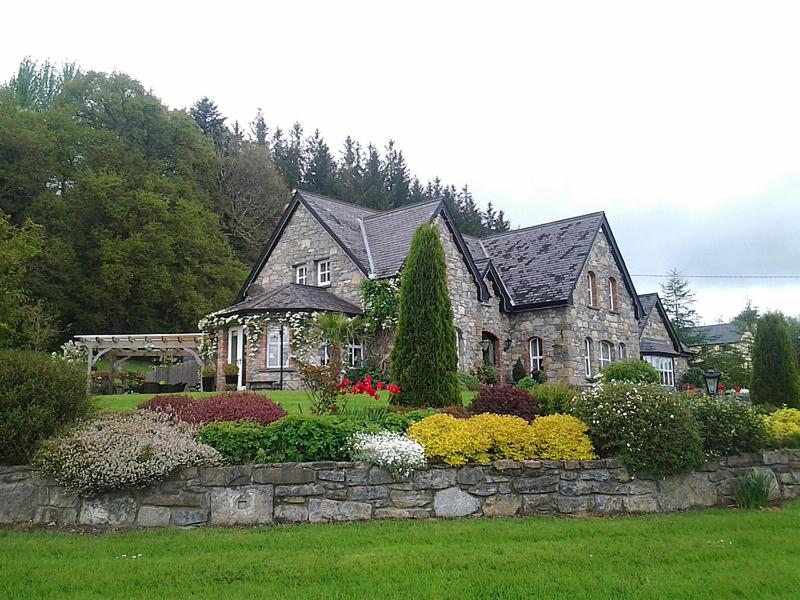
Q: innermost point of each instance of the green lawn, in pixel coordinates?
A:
(294, 402)
(713, 554)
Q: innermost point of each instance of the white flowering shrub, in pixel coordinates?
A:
(123, 450)
(392, 451)
(646, 426)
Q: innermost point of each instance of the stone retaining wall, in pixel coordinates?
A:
(332, 492)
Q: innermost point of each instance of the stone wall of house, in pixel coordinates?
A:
(464, 298)
(551, 325)
(600, 323)
(324, 492)
(305, 242)
(498, 323)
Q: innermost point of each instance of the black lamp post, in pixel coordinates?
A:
(712, 381)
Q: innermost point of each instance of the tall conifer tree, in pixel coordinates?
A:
(776, 379)
(424, 359)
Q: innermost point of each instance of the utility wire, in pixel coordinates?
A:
(665, 276)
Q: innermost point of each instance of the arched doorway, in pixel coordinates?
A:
(489, 347)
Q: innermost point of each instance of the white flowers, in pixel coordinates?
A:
(124, 450)
(392, 451)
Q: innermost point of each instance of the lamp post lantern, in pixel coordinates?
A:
(712, 377)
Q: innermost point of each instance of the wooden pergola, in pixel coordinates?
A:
(118, 348)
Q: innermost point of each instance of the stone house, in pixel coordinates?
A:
(722, 337)
(558, 296)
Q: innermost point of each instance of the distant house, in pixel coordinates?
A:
(722, 336)
(558, 296)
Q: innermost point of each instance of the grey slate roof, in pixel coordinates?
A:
(541, 264)
(723, 333)
(293, 296)
(648, 304)
(343, 220)
(654, 347)
(389, 235)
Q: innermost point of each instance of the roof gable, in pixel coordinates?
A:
(540, 265)
(652, 303)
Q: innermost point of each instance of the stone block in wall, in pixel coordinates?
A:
(505, 505)
(774, 487)
(365, 493)
(230, 475)
(321, 510)
(544, 483)
(108, 509)
(283, 475)
(687, 490)
(539, 504)
(305, 489)
(574, 505)
(188, 517)
(410, 498)
(454, 502)
(178, 498)
(358, 474)
(750, 459)
(392, 512)
(153, 516)
(328, 475)
(59, 497)
(434, 479)
(469, 475)
(489, 489)
(241, 505)
(775, 457)
(53, 515)
(607, 505)
(291, 513)
(647, 503)
(378, 476)
(17, 502)
(335, 491)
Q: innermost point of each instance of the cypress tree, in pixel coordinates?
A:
(776, 379)
(424, 359)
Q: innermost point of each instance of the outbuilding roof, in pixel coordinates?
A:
(292, 297)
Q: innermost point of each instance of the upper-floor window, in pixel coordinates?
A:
(606, 354)
(612, 294)
(623, 351)
(324, 272)
(536, 354)
(591, 285)
(277, 346)
(587, 356)
(301, 275)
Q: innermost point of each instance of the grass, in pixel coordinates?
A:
(294, 402)
(718, 553)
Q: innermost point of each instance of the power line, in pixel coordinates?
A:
(665, 276)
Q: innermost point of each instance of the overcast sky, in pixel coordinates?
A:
(682, 122)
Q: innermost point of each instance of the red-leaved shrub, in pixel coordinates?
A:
(505, 400)
(172, 404)
(233, 407)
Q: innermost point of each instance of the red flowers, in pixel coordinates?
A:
(367, 386)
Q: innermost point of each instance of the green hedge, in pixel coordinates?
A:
(39, 396)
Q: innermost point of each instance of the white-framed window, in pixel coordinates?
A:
(324, 272)
(623, 351)
(612, 294)
(536, 354)
(324, 354)
(355, 354)
(587, 356)
(275, 350)
(606, 354)
(591, 285)
(301, 275)
(665, 367)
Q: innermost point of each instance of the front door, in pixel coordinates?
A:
(236, 353)
(489, 347)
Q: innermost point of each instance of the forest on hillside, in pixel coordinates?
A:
(120, 214)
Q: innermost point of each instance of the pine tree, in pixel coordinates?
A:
(424, 360)
(373, 192)
(259, 129)
(350, 172)
(211, 122)
(320, 173)
(776, 375)
(678, 300)
(288, 155)
(396, 180)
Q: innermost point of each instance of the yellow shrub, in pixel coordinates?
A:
(561, 437)
(487, 437)
(509, 437)
(784, 424)
(449, 439)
